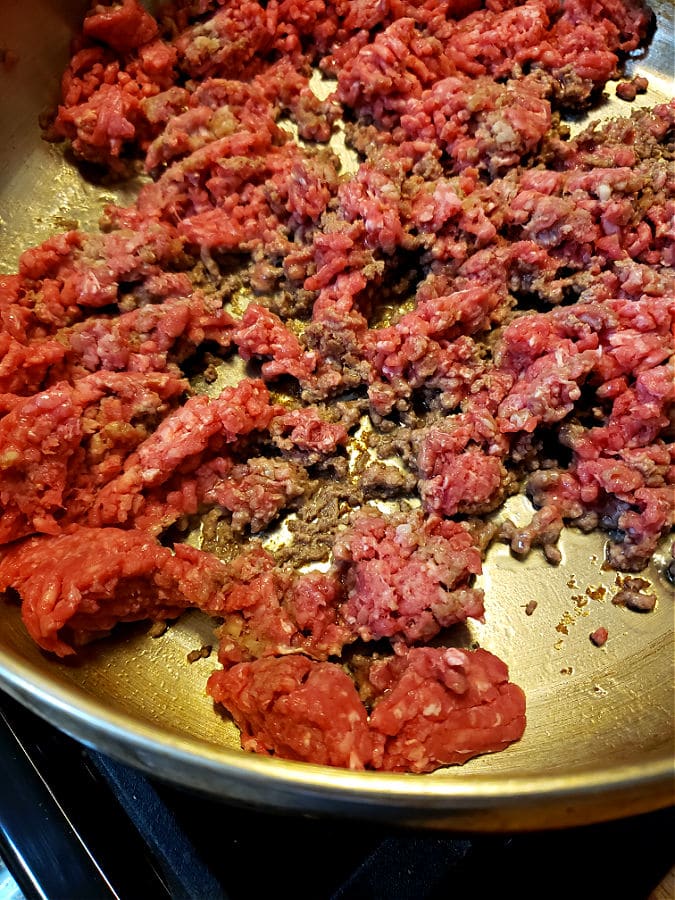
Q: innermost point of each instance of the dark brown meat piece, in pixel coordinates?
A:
(634, 594)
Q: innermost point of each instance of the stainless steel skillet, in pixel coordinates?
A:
(599, 741)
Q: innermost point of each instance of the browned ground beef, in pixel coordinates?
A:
(480, 287)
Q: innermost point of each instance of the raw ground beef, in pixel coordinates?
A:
(472, 303)
(433, 707)
(438, 706)
(273, 610)
(296, 708)
(78, 585)
(407, 576)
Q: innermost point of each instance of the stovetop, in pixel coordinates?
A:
(75, 824)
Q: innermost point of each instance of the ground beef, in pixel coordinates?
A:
(150, 338)
(78, 585)
(273, 610)
(386, 481)
(440, 706)
(302, 434)
(67, 441)
(180, 442)
(123, 27)
(635, 595)
(37, 438)
(460, 464)
(543, 530)
(407, 576)
(435, 707)
(296, 708)
(67, 275)
(261, 333)
(314, 527)
(472, 300)
(628, 90)
(599, 636)
(256, 491)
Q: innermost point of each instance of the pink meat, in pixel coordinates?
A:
(407, 576)
(441, 706)
(57, 447)
(77, 586)
(148, 339)
(37, 439)
(124, 26)
(74, 271)
(261, 333)
(227, 43)
(296, 708)
(25, 368)
(272, 611)
(255, 492)
(507, 122)
(547, 390)
(180, 441)
(104, 87)
(303, 435)
(461, 464)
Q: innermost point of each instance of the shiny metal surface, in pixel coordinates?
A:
(599, 741)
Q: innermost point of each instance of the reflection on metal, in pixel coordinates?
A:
(599, 739)
(9, 889)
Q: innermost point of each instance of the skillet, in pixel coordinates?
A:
(599, 739)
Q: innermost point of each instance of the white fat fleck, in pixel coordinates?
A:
(604, 191)
(403, 531)
(433, 709)
(503, 133)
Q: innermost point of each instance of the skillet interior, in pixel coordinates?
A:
(599, 739)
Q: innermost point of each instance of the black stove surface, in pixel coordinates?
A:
(75, 824)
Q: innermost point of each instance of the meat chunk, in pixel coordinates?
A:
(460, 464)
(296, 708)
(180, 442)
(635, 595)
(78, 586)
(303, 435)
(255, 492)
(407, 576)
(272, 611)
(124, 26)
(599, 636)
(37, 439)
(150, 338)
(441, 706)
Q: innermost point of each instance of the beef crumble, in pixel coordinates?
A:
(477, 285)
